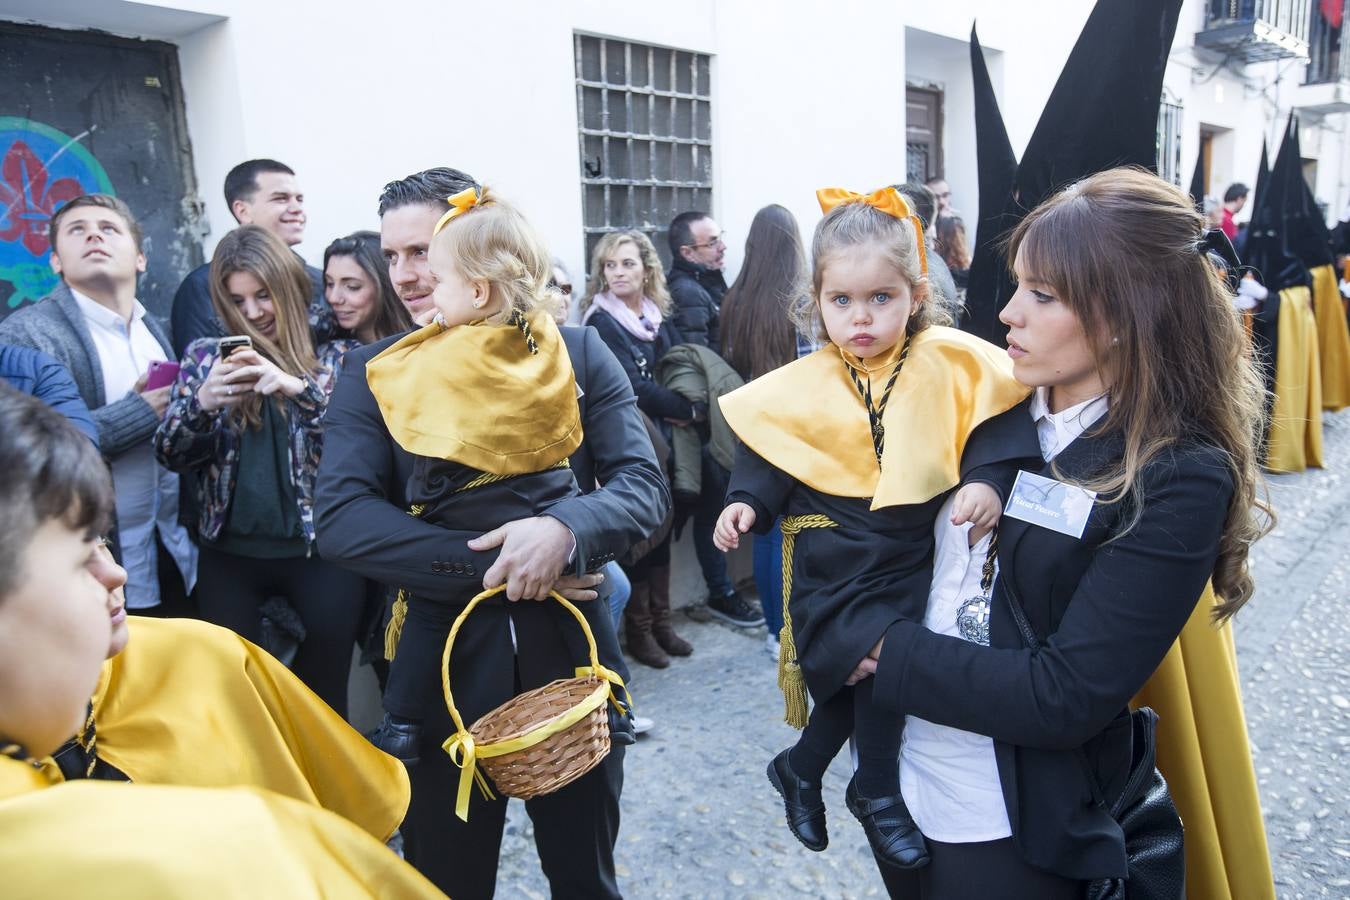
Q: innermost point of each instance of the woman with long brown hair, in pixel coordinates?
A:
(1017, 683)
(758, 336)
(247, 424)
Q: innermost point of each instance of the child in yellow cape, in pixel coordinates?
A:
(857, 446)
(485, 399)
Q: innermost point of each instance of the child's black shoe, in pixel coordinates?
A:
(802, 801)
(621, 732)
(399, 737)
(890, 829)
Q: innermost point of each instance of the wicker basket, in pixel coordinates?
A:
(538, 741)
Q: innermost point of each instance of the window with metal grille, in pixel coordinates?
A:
(1169, 142)
(645, 117)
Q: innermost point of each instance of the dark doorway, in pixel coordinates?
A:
(923, 134)
(84, 111)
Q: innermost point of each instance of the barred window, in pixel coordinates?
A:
(1169, 141)
(645, 117)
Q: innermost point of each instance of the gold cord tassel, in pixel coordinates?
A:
(394, 630)
(791, 681)
(398, 614)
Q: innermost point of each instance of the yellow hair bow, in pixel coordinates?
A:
(888, 200)
(462, 202)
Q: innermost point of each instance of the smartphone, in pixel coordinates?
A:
(234, 342)
(160, 374)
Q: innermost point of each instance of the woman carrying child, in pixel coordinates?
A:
(859, 470)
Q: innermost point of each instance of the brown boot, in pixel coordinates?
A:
(637, 620)
(662, 629)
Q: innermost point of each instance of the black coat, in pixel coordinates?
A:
(639, 360)
(696, 298)
(1107, 613)
(361, 520)
(850, 583)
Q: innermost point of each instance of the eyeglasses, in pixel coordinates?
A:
(719, 241)
(565, 288)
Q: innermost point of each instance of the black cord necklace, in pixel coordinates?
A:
(874, 413)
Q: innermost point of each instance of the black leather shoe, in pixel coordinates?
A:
(398, 739)
(621, 732)
(886, 821)
(802, 801)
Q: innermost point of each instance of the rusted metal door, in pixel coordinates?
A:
(81, 112)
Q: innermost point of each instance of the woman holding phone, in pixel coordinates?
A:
(245, 419)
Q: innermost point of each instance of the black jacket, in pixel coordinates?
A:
(1107, 613)
(639, 359)
(362, 524)
(696, 294)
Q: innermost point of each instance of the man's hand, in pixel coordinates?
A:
(534, 553)
(158, 398)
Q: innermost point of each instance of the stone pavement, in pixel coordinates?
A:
(701, 820)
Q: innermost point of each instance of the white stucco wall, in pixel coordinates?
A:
(805, 94)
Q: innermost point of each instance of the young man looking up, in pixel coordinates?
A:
(93, 325)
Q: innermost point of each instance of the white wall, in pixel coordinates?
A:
(805, 94)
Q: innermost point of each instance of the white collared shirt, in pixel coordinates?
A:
(949, 777)
(146, 493)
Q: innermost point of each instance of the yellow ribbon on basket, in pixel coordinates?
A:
(461, 747)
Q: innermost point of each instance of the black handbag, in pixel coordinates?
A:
(1154, 844)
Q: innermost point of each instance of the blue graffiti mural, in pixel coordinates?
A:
(40, 169)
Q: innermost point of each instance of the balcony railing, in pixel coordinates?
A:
(1327, 63)
(1257, 30)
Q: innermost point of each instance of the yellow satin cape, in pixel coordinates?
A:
(145, 842)
(1333, 338)
(475, 395)
(190, 704)
(1204, 754)
(1296, 419)
(807, 419)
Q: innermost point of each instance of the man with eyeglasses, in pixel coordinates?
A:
(698, 251)
(943, 192)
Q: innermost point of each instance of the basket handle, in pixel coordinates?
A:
(460, 745)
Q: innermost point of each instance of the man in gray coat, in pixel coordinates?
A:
(93, 325)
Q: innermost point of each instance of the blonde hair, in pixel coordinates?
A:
(1120, 250)
(856, 224)
(261, 254)
(653, 283)
(494, 242)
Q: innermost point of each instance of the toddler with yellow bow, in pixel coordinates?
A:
(857, 447)
(485, 399)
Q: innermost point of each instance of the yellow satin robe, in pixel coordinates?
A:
(1204, 754)
(118, 841)
(1296, 420)
(1333, 338)
(190, 704)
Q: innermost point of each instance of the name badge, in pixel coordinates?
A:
(1050, 504)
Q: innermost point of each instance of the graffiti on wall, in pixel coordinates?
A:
(40, 169)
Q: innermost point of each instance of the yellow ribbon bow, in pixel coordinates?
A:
(888, 200)
(462, 202)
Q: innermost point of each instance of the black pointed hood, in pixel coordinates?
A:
(989, 286)
(1267, 250)
(1197, 189)
(1308, 236)
(1103, 112)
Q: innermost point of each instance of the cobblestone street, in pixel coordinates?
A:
(701, 820)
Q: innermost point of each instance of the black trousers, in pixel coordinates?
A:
(330, 601)
(414, 683)
(982, 871)
(574, 828)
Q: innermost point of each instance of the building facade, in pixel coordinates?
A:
(593, 114)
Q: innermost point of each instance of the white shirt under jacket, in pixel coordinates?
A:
(948, 776)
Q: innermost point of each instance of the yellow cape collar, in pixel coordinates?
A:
(475, 395)
(808, 420)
